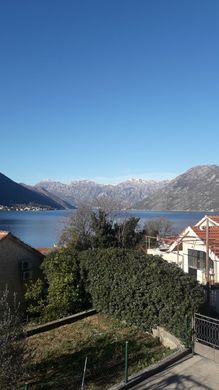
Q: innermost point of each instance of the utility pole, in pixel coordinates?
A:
(177, 253)
(146, 244)
(207, 252)
(207, 261)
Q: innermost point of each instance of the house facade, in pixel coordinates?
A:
(189, 251)
(18, 263)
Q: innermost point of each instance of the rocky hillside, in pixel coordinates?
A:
(196, 189)
(64, 204)
(124, 194)
(14, 194)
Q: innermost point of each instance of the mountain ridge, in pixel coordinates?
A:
(13, 194)
(197, 189)
(85, 191)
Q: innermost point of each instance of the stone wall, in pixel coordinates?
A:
(167, 339)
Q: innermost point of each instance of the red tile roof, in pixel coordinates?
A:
(3, 234)
(214, 218)
(213, 237)
(47, 251)
(44, 251)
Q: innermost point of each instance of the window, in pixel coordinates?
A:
(26, 269)
(197, 260)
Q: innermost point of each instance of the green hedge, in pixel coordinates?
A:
(143, 290)
(62, 291)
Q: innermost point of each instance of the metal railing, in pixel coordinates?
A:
(206, 330)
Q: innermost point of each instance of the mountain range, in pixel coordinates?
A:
(195, 190)
(124, 194)
(13, 194)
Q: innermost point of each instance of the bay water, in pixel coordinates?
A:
(41, 229)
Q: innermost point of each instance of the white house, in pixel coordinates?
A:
(189, 250)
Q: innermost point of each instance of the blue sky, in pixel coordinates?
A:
(108, 89)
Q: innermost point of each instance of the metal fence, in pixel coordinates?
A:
(206, 330)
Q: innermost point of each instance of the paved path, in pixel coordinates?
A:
(193, 373)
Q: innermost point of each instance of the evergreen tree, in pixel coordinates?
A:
(103, 233)
(66, 293)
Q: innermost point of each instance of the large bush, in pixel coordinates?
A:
(66, 293)
(141, 289)
(35, 298)
(61, 292)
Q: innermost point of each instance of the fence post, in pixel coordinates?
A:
(186, 332)
(84, 373)
(126, 361)
(193, 333)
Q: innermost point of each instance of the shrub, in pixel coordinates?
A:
(143, 290)
(11, 346)
(35, 298)
(66, 294)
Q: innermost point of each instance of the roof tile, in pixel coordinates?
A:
(3, 234)
(213, 237)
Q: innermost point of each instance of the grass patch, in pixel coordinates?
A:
(58, 355)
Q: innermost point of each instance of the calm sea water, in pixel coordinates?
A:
(42, 228)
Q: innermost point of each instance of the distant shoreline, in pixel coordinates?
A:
(24, 208)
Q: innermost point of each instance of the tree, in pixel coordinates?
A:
(159, 227)
(78, 229)
(108, 204)
(89, 228)
(103, 233)
(65, 280)
(12, 348)
(155, 228)
(128, 234)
